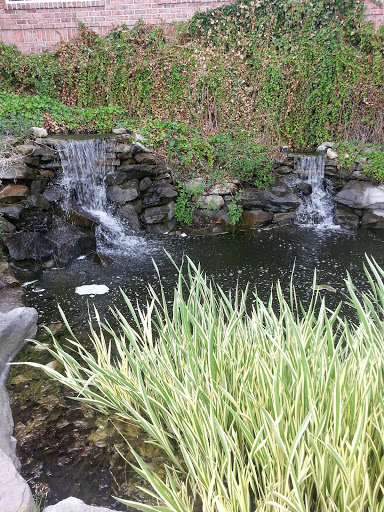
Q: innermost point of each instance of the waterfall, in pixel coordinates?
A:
(317, 206)
(84, 182)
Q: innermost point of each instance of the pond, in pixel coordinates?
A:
(67, 449)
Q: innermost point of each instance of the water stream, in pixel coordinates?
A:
(84, 182)
(317, 206)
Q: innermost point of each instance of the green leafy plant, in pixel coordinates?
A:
(235, 209)
(375, 165)
(273, 408)
(186, 202)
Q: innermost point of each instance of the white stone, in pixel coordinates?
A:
(331, 154)
(322, 147)
(74, 505)
(92, 289)
(39, 132)
(139, 137)
(211, 202)
(15, 494)
(329, 144)
(119, 131)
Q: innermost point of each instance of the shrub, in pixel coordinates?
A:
(262, 409)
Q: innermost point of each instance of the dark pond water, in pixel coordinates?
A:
(67, 449)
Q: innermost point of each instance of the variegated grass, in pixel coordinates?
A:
(273, 408)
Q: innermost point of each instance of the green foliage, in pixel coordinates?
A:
(235, 209)
(291, 70)
(19, 111)
(186, 202)
(15, 125)
(375, 165)
(371, 156)
(276, 408)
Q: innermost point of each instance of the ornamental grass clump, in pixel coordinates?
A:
(278, 407)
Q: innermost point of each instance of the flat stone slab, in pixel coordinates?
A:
(361, 195)
(74, 505)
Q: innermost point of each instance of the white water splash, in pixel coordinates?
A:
(317, 207)
(92, 289)
(84, 177)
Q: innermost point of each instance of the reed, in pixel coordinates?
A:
(271, 408)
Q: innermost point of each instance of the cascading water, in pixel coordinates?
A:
(317, 207)
(84, 176)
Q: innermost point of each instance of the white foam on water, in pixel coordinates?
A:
(92, 289)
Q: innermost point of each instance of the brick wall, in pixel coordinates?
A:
(35, 26)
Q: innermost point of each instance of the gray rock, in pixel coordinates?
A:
(220, 189)
(280, 197)
(53, 193)
(254, 218)
(27, 245)
(305, 188)
(32, 161)
(12, 211)
(361, 195)
(138, 171)
(25, 149)
(194, 185)
(13, 194)
(145, 184)
(329, 144)
(161, 229)
(38, 185)
(45, 152)
(139, 148)
(139, 137)
(16, 326)
(40, 202)
(68, 242)
(6, 226)
(284, 218)
(345, 216)
(129, 214)
(119, 131)
(74, 505)
(146, 158)
(161, 192)
(322, 147)
(331, 154)
(128, 191)
(211, 202)
(18, 171)
(373, 219)
(159, 214)
(284, 169)
(15, 494)
(39, 132)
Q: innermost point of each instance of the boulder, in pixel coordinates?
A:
(139, 148)
(159, 214)
(146, 158)
(6, 226)
(145, 184)
(38, 185)
(12, 211)
(254, 218)
(128, 191)
(373, 219)
(305, 188)
(18, 171)
(25, 149)
(12, 295)
(53, 193)
(74, 505)
(68, 242)
(32, 161)
(38, 201)
(161, 229)
(331, 154)
(82, 219)
(39, 132)
(138, 171)
(284, 218)
(27, 245)
(347, 217)
(119, 131)
(220, 189)
(361, 195)
(130, 216)
(13, 194)
(161, 192)
(211, 202)
(45, 152)
(278, 198)
(15, 494)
